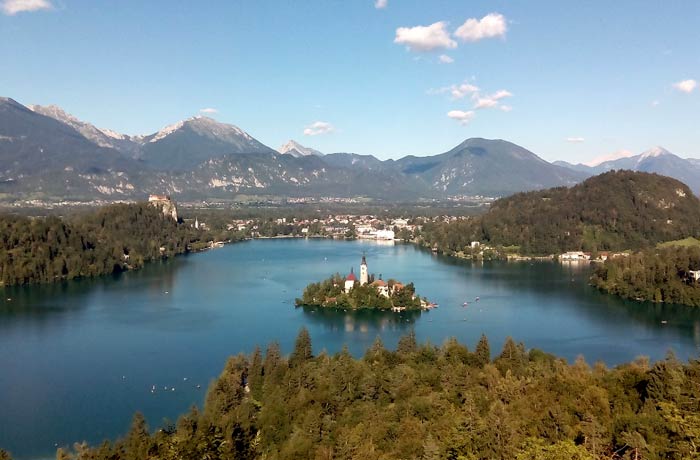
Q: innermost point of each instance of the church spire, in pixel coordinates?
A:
(364, 274)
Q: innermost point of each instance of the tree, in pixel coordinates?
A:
(536, 449)
(512, 357)
(62, 454)
(137, 441)
(302, 348)
(407, 343)
(483, 351)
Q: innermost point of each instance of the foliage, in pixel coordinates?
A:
(661, 275)
(427, 402)
(690, 241)
(115, 238)
(614, 211)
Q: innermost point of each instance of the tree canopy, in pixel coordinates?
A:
(428, 402)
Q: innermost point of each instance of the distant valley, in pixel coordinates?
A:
(49, 155)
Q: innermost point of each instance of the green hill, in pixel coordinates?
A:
(614, 211)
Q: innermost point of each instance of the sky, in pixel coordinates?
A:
(567, 80)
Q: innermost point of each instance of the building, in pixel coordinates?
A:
(381, 287)
(694, 274)
(575, 255)
(165, 203)
(364, 274)
(349, 281)
(385, 234)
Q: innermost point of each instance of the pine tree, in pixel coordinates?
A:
(255, 373)
(138, 439)
(483, 351)
(407, 343)
(302, 348)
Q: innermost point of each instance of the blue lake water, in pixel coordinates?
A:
(78, 359)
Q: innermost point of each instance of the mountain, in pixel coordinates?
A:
(614, 211)
(102, 137)
(188, 143)
(656, 160)
(355, 160)
(487, 167)
(575, 167)
(285, 175)
(43, 157)
(49, 154)
(297, 150)
(32, 143)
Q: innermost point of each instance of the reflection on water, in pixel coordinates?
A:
(334, 319)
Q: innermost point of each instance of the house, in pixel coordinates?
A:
(381, 287)
(574, 255)
(385, 234)
(694, 275)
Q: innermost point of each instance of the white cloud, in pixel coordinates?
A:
(485, 103)
(208, 110)
(445, 59)
(686, 86)
(461, 116)
(492, 100)
(465, 89)
(490, 26)
(425, 38)
(318, 127)
(500, 94)
(456, 91)
(655, 103)
(380, 4)
(506, 108)
(575, 140)
(12, 7)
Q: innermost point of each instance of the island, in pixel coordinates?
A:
(366, 293)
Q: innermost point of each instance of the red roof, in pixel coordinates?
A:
(351, 277)
(379, 283)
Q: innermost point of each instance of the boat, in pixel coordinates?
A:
(465, 304)
(477, 299)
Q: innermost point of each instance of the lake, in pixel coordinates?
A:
(79, 358)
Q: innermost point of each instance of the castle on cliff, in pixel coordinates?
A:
(165, 203)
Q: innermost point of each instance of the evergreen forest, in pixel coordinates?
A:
(423, 401)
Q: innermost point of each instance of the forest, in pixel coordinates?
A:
(614, 211)
(423, 401)
(112, 239)
(331, 293)
(658, 275)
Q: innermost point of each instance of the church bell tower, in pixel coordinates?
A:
(364, 276)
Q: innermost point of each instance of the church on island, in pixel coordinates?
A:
(350, 293)
(380, 285)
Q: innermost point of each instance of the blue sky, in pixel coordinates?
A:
(567, 80)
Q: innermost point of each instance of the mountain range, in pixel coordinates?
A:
(48, 154)
(656, 160)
